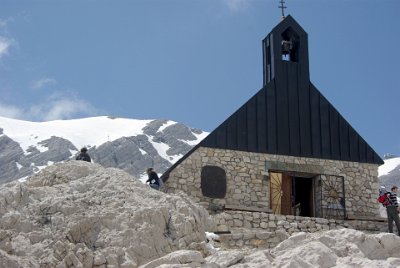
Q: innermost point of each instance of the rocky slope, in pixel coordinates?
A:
(128, 144)
(79, 214)
(336, 248)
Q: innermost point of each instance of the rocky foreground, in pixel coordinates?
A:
(79, 214)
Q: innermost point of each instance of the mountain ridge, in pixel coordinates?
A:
(129, 144)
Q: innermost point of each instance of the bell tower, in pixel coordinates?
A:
(285, 47)
(289, 115)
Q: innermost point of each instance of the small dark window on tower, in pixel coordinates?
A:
(213, 182)
(290, 45)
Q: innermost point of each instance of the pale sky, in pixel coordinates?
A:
(193, 61)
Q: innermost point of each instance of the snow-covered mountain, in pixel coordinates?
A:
(129, 144)
(389, 172)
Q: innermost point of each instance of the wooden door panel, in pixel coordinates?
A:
(286, 208)
(280, 193)
(275, 196)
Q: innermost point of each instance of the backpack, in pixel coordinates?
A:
(383, 198)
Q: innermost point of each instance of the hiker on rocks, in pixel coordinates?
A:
(154, 180)
(84, 156)
(393, 210)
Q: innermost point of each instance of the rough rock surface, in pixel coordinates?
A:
(58, 149)
(10, 154)
(79, 214)
(336, 248)
(126, 154)
(135, 153)
(15, 163)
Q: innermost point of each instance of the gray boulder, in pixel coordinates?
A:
(58, 149)
(131, 154)
(80, 214)
(12, 160)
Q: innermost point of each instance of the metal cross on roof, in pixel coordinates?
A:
(282, 6)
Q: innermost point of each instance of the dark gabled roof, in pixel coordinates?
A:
(294, 122)
(289, 116)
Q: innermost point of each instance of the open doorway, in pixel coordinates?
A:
(302, 196)
(292, 193)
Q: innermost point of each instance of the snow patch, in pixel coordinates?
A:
(199, 137)
(78, 131)
(388, 166)
(164, 126)
(143, 177)
(161, 148)
(41, 148)
(174, 158)
(19, 166)
(39, 168)
(142, 151)
(73, 153)
(23, 179)
(211, 236)
(210, 244)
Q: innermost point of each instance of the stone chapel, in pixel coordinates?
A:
(285, 151)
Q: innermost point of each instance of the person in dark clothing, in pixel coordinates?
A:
(392, 209)
(84, 156)
(153, 180)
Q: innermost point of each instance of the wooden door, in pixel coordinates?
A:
(286, 207)
(280, 193)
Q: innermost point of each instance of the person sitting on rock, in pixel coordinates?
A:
(154, 180)
(84, 156)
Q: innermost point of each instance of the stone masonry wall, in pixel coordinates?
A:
(247, 186)
(265, 230)
(228, 220)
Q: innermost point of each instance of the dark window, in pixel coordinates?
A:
(213, 182)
